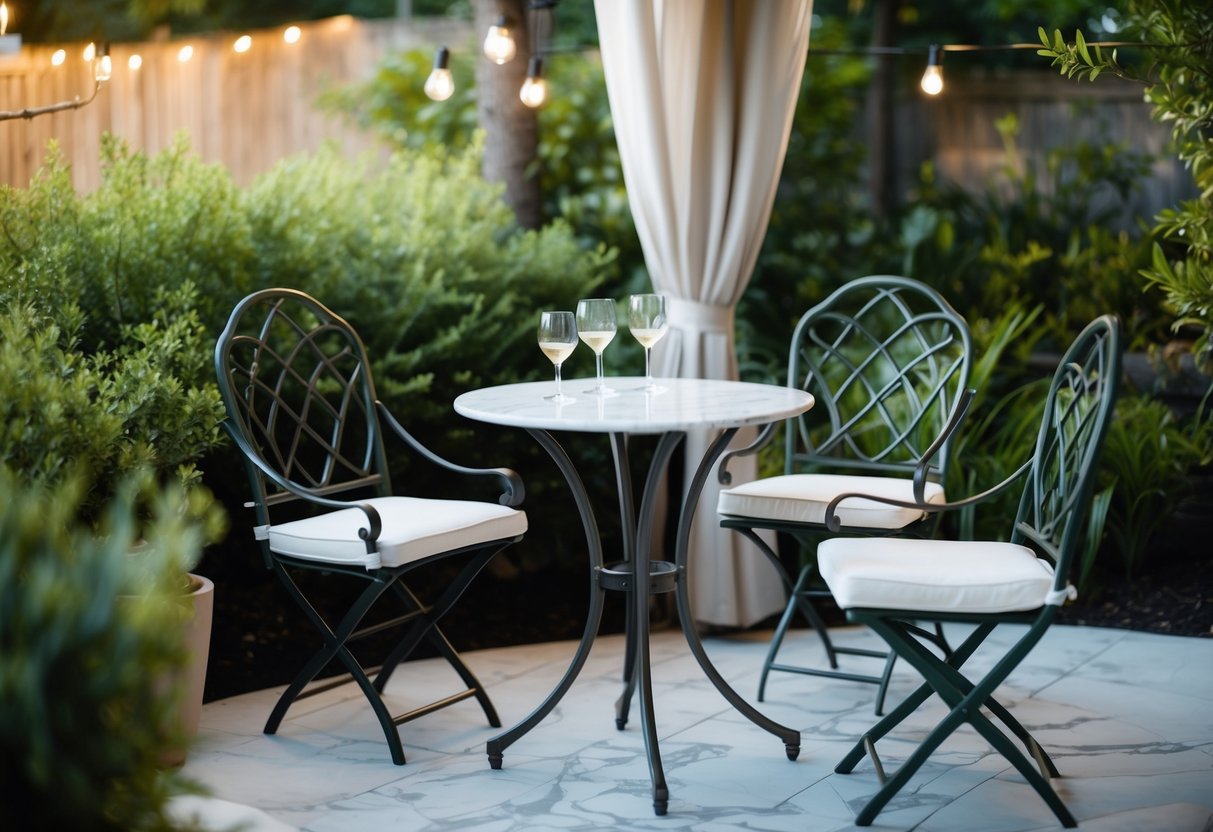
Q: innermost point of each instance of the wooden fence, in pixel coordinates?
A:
(956, 131)
(244, 110)
(248, 110)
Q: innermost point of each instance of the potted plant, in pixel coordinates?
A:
(81, 730)
(100, 418)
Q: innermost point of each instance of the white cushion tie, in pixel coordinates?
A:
(1057, 597)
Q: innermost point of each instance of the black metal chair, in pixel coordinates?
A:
(888, 584)
(887, 360)
(302, 409)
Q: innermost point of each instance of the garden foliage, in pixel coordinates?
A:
(84, 628)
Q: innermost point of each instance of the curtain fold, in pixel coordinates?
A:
(702, 94)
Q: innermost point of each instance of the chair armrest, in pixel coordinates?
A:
(834, 524)
(514, 491)
(374, 523)
(761, 441)
(924, 464)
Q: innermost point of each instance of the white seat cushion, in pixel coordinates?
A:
(413, 528)
(803, 498)
(934, 575)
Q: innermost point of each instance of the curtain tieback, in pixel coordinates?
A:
(705, 317)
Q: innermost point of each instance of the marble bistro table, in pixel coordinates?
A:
(682, 405)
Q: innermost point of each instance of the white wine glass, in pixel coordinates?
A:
(557, 340)
(596, 326)
(647, 321)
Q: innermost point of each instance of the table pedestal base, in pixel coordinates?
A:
(663, 576)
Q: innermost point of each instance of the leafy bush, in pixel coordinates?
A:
(116, 297)
(1039, 235)
(1178, 81)
(82, 728)
(1146, 462)
(577, 158)
(117, 411)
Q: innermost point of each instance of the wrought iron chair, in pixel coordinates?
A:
(302, 409)
(889, 583)
(887, 360)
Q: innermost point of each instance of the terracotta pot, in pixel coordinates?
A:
(192, 678)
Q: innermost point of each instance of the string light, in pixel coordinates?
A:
(186, 53)
(135, 61)
(534, 90)
(103, 68)
(292, 34)
(58, 57)
(441, 84)
(499, 46)
(243, 44)
(932, 78)
(89, 53)
(3, 19)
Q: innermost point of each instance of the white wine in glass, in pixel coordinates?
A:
(596, 326)
(557, 339)
(647, 321)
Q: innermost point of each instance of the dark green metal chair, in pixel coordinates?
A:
(302, 409)
(887, 360)
(888, 584)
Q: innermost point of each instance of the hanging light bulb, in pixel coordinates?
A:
(135, 61)
(186, 53)
(441, 84)
(243, 44)
(932, 78)
(58, 57)
(292, 34)
(89, 52)
(534, 90)
(499, 46)
(103, 68)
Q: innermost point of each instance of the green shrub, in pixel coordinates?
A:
(82, 726)
(115, 411)
(1039, 234)
(577, 158)
(1146, 463)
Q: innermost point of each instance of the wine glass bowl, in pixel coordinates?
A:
(557, 338)
(647, 321)
(596, 327)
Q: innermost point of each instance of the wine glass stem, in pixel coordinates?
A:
(648, 373)
(558, 394)
(598, 365)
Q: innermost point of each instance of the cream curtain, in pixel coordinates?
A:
(702, 94)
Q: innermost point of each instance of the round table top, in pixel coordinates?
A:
(683, 404)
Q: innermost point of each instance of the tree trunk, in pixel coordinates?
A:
(511, 137)
(880, 110)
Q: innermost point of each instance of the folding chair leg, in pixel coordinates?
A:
(781, 630)
(798, 600)
(427, 627)
(965, 699)
(334, 647)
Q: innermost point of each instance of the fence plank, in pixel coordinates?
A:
(245, 111)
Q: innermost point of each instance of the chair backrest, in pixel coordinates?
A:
(300, 400)
(1061, 480)
(887, 359)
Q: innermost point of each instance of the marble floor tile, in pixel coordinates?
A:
(1127, 717)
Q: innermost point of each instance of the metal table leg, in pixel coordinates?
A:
(790, 737)
(497, 745)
